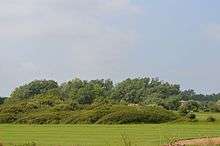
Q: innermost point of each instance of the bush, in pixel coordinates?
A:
(7, 118)
(183, 111)
(214, 106)
(105, 114)
(19, 107)
(90, 116)
(85, 99)
(211, 119)
(40, 118)
(62, 107)
(191, 116)
(125, 115)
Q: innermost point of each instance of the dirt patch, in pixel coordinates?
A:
(197, 142)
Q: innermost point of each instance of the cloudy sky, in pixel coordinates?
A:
(178, 41)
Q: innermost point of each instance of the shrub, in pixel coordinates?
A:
(19, 107)
(183, 111)
(85, 99)
(214, 106)
(62, 107)
(7, 118)
(106, 114)
(211, 119)
(90, 116)
(40, 118)
(137, 115)
(191, 116)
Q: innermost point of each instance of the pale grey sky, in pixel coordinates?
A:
(178, 41)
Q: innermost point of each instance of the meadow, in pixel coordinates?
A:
(108, 135)
(100, 113)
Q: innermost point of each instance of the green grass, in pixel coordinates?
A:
(100, 135)
(203, 116)
(107, 135)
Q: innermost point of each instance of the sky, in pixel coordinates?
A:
(175, 40)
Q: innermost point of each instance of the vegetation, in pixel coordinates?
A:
(33, 88)
(211, 119)
(108, 135)
(191, 116)
(139, 100)
(116, 114)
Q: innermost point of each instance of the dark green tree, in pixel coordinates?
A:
(143, 90)
(34, 88)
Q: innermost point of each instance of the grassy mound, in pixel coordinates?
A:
(127, 115)
(108, 114)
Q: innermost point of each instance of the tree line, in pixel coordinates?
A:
(131, 91)
(101, 100)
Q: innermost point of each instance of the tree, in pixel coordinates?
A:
(172, 103)
(187, 94)
(79, 90)
(214, 106)
(131, 90)
(143, 89)
(2, 100)
(34, 88)
(85, 96)
(191, 106)
(72, 87)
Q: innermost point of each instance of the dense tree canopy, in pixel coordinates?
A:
(34, 88)
(137, 91)
(87, 91)
(140, 90)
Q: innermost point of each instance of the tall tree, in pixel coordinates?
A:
(34, 88)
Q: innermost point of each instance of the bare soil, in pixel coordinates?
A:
(198, 142)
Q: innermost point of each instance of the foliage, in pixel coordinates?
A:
(104, 114)
(2, 100)
(183, 111)
(7, 118)
(211, 119)
(138, 100)
(40, 118)
(190, 106)
(191, 95)
(172, 103)
(34, 88)
(125, 115)
(85, 92)
(139, 90)
(191, 116)
(214, 106)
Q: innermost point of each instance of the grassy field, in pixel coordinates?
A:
(107, 135)
(203, 116)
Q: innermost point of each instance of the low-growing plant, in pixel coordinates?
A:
(125, 115)
(210, 119)
(103, 114)
(191, 116)
(7, 118)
